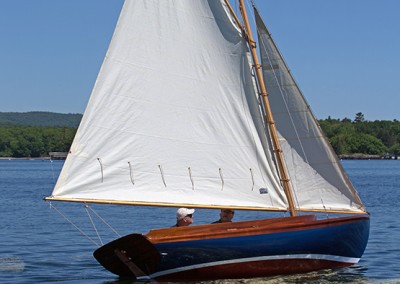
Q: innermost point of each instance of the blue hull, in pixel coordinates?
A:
(281, 249)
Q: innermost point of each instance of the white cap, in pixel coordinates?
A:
(183, 212)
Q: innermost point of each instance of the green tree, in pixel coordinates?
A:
(29, 141)
(395, 149)
(351, 143)
(359, 117)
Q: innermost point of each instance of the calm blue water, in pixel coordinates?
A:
(39, 245)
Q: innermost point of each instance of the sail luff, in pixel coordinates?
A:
(269, 118)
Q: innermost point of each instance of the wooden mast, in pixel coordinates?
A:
(270, 120)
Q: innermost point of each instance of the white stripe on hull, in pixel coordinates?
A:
(336, 258)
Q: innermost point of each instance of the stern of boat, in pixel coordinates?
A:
(132, 256)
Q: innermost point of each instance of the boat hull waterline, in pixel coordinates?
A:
(239, 250)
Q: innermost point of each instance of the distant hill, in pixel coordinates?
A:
(40, 118)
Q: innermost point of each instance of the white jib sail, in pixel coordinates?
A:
(173, 116)
(317, 178)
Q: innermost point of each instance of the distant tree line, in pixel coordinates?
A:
(346, 136)
(41, 118)
(359, 136)
(34, 141)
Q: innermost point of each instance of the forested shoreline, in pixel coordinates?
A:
(357, 138)
(34, 141)
(360, 136)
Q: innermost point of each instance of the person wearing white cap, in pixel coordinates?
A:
(184, 217)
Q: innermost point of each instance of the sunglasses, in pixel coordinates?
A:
(189, 215)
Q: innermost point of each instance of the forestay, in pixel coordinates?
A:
(316, 176)
(174, 118)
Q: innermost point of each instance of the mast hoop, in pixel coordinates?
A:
(272, 128)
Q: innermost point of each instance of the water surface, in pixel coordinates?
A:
(39, 245)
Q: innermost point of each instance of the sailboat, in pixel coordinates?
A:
(183, 114)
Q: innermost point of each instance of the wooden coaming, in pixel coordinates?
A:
(243, 228)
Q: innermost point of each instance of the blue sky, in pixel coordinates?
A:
(344, 54)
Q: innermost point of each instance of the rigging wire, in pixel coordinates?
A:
(87, 208)
(94, 226)
(104, 221)
(73, 224)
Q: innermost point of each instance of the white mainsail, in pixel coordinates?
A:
(316, 176)
(174, 117)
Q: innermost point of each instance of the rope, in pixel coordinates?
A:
(130, 173)
(94, 226)
(101, 167)
(222, 178)
(76, 227)
(104, 221)
(326, 211)
(252, 179)
(191, 178)
(162, 175)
